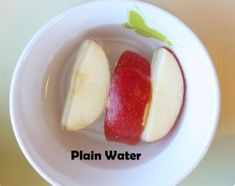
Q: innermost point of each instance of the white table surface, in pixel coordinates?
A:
(212, 20)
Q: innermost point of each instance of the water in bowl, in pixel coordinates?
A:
(115, 40)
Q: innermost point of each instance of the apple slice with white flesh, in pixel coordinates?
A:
(168, 89)
(89, 85)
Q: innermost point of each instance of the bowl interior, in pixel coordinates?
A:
(115, 40)
(41, 81)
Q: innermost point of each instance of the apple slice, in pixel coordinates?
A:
(129, 95)
(167, 95)
(88, 92)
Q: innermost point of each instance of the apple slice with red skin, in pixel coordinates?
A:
(129, 95)
(168, 94)
(134, 60)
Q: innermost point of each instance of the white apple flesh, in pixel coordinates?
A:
(167, 95)
(88, 91)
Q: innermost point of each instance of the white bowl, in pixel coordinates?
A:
(40, 82)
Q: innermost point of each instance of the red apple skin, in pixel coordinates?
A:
(134, 60)
(129, 95)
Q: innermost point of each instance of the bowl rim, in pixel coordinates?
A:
(56, 19)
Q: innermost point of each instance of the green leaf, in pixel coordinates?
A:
(135, 19)
(143, 33)
(128, 26)
(136, 22)
(159, 36)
